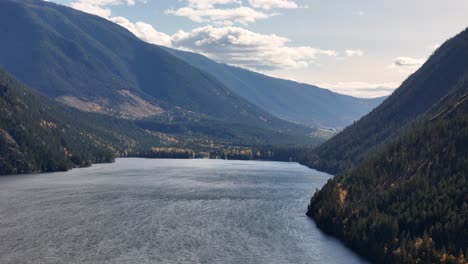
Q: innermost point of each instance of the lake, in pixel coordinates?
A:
(166, 211)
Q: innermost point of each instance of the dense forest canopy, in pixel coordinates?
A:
(35, 138)
(408, 203)
(38, 134)
(402, 194)
(416, 96)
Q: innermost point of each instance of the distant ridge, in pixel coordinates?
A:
(300, 103)
(95, 65)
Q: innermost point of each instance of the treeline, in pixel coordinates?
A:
(168, 153)
(271, 153)
(33, 140)
(41, 135)
(409, 202)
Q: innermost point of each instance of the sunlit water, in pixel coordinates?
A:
(165, 211)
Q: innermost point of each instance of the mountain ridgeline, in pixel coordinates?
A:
(437, 78)
(38, 134)
(157, 104)
(296, 102)
(92, 64)
(93, 91)
(138, 99)
(402, 194)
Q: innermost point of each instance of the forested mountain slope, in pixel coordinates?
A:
(296, 102)
(409, 202)
(95, 65)
(35, 138)
(38, 134)
(436, 79)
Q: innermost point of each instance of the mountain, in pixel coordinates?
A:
(128, 98)
(35, 138)
(436, 79)
(409, 202)
(404, 200)
(38, 134)
(296, 102)
(92, 64)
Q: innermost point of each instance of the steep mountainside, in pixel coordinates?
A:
(35, 137)
(296, 102)
(436, 79)
(409, 202)
(38, 134)
(95, 65)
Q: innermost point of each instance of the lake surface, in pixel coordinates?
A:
(166, 211)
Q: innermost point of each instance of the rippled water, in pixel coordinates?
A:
(165, 211)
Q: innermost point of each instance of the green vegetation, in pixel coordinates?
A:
(401, 195)
(408, 203)
(32, 138)
(297, 102)
(96, 65)
(40, 135)
(136, 97)
(417, 95)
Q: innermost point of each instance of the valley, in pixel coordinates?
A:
(167, 154)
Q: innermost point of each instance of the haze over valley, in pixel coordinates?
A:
(233, 131)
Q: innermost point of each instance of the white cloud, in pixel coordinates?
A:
(108, 2)
(406, 64)
(232, 45)
(362, 89)
(144, 31)
(96, 7)
(242, 15)
(354, 53)
(205, 4)
(270, 4)
(244, 48)
(229, 12)
(92, 9)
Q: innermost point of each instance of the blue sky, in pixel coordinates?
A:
(358, 47)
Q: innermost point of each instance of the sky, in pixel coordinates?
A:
(364, 48)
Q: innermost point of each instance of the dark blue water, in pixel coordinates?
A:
(165, 211)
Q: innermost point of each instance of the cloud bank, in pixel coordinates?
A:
(233, 45)
(224, 38)
(228, 44)
(241, 15)
(362, 89)
(241, 47)
(95, 7)
(230, 12)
